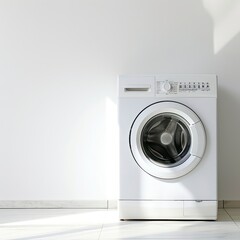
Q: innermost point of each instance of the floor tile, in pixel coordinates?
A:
(223, 216)
(54, 224)
(75, 224)
(223, 228)
(14, 217)
(234, 213)
(50, 232)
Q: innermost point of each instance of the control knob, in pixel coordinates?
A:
(166, 87)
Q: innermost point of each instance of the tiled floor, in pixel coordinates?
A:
(74, 224)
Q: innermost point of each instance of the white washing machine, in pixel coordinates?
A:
(168, 147)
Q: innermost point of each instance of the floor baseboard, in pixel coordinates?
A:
(82, 204)
(220, 204)
(87, 204)
(231, 204)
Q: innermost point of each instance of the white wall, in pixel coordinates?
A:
(59, 62)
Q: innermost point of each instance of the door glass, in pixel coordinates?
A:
(165, 140)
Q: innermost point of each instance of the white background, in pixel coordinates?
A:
(59, 61)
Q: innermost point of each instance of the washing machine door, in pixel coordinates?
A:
(167, 140)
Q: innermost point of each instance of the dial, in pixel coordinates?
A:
(166, 86)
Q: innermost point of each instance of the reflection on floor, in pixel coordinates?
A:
(75, 224)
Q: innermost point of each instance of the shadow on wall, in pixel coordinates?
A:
(226, 35)
(228, 70)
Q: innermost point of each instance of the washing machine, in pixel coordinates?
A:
(168, 147)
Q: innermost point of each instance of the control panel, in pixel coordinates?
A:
(175, 87)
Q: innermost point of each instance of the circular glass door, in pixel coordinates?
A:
(164, 140)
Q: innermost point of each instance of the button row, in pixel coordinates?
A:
(193, 86)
